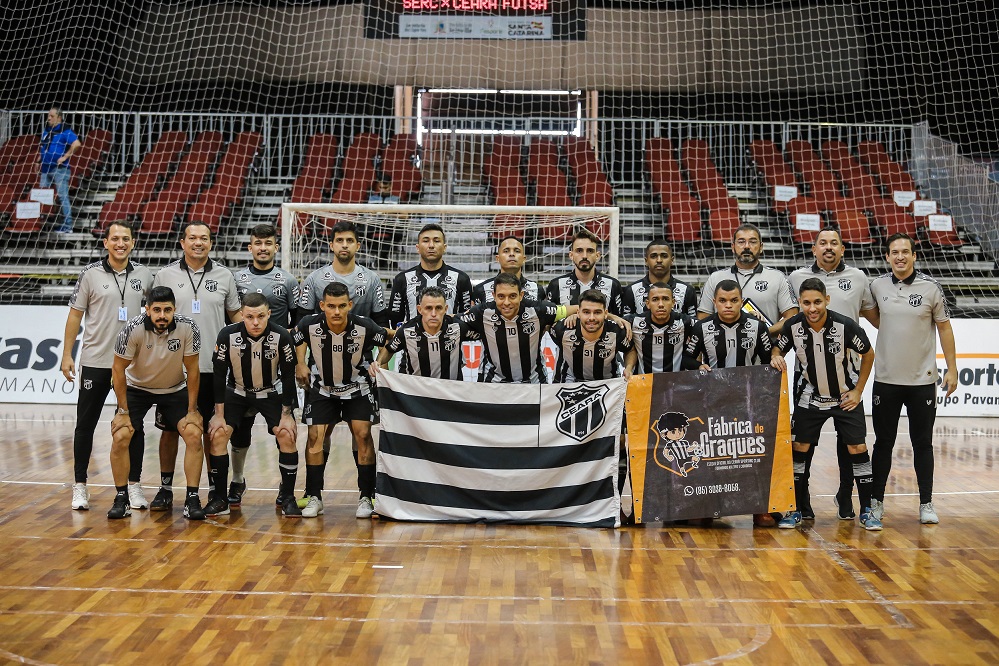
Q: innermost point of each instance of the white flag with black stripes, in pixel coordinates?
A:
(533, 453)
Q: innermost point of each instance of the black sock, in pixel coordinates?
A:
(355, 459)
(800, 459)
(864, 476)
(136, 449)
(122, 490)
(845, 470)
(192, 491)
(314, 480)
(166, 479)
(288, 464)
(219, 473)
(366, 480)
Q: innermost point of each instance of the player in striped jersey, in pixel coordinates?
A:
(338, 344)
(729, 338)
(431, 272)
(251, 358)
(659, 332)
(511, 330)
(827, 385)
(511, 257)
(589, 349)
(659, 261)
(430, 343)
(584, 252)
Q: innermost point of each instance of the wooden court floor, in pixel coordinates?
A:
(254, 588)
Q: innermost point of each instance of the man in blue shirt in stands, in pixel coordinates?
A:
(59, 142)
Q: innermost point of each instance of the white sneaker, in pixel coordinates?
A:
(927, 516)
(365, 508)
(81, 497)
(136, 498)
(313, 508)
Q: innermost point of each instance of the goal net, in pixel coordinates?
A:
(389, 232)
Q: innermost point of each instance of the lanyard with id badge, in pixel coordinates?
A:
(122, 309)
(196, 302)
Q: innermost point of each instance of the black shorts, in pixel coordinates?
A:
(806, 424)
(323, 410)
(241, 410)
(170, 407)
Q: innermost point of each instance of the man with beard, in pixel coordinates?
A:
(659, 261)
(584, 252)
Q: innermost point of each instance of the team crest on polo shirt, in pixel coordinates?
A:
(135, 284)
(278, 290)
(761, 285)
(211, 285)
(915, 300)
(173, 344)
(845, 284)
(583, 411)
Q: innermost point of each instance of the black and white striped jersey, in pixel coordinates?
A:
(660, 348)
(408, 284)
(438, 356)
(826, 369)
(254, 367)
(337, 360)
(565, 290)
(720, 345)
(684, 295)
(483, 292)
(580, 359)
(512, 348)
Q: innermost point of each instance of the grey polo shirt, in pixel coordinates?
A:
(363, 284)
(158, 358)
(906, 351)
(100, 294)
(849, 288)
(767, 287)
(279, 287)
(213, 286)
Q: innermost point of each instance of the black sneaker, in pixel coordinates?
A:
(807, 513)
(192, 508)
(120, 508)
(236, 491)
(289, 508)
(163, 500)
(217, 507)
(279, 500)
(844, 505)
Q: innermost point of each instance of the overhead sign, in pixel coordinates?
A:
(475, 19)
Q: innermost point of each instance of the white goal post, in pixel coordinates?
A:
(388, 235)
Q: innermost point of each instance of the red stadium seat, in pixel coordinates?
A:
(682, 210)
(723, 209)
(397, 162)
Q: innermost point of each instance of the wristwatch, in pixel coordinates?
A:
(121, 411)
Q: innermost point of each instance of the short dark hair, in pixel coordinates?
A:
(263, 231)
(895, 237)
(506, 278)
(659, 285)
(506, 238)
(161, 294)
(728, 285)
(344, 227)
(383, 178)
(336, 290)
(433, 226)
(812, 284)
(746, 226)
(593, 296)
(119, 223)
(831, 228)
(673, 420)
(253, 299)
(432, 292)
(194, 223)
(584, 234)
(657, 241)
(57, 108)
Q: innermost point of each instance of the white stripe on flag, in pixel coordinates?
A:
(496, 479)
(462, 434)
(446, 389)
(593, 512)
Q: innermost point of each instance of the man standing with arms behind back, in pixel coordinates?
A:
(584, 252)
(109, 292)
(430, 272)
(913, 314)
(659, 262)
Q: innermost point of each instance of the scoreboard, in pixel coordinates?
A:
(475, 19)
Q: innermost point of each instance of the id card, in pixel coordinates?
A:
(123, 313)
(195, 306)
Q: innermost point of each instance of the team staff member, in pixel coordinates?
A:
(339, 344)
(511, 257)
(280, 288)
(913, 313)
(250, 359)
(152, 354)
(826, 385)
(659, 332)
(108, 293)
(431, 342)
(430, 272)
(766, 288)
(850, 295)
(584, 252)
(206, 292)
(659, 262)
(57, 146)
(511, 330)
(589, 349)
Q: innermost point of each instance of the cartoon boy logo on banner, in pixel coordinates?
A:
(673, 451)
